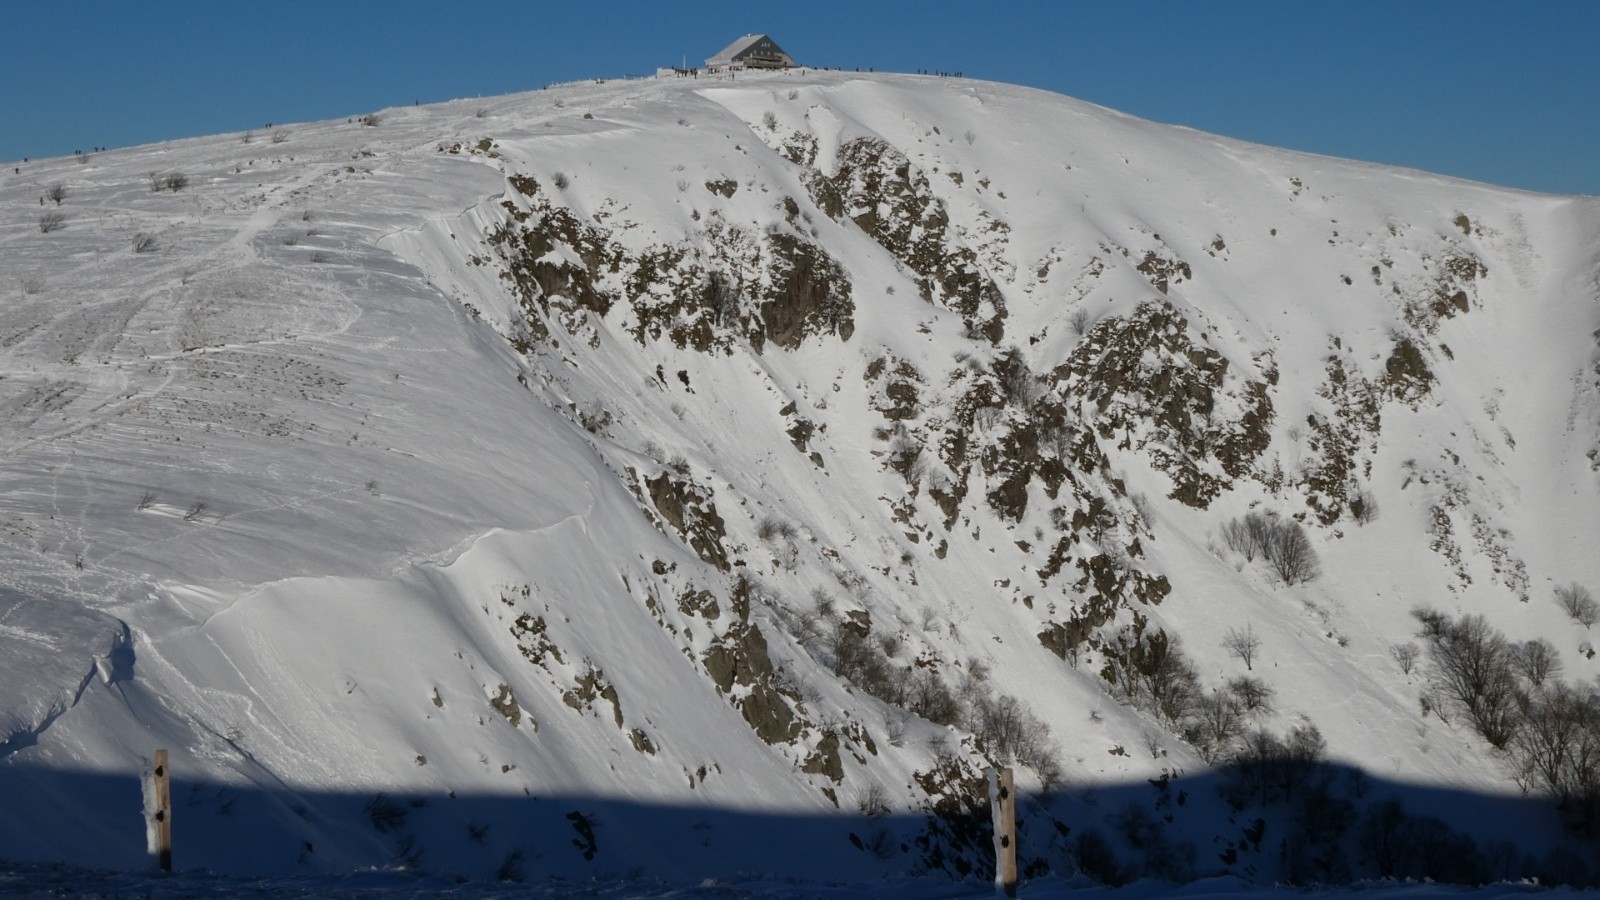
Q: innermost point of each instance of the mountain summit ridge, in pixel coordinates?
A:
(794, 445)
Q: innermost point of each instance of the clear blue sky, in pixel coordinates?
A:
(1504, 92)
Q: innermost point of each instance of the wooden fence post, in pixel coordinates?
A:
(163, 785)
(1003, 806)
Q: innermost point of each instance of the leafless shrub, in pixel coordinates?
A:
(174, 181)
(386, 815)
(370, 120)
(1536, 660)
(1249, 535)
(280, 136)
(1364, 507)
(51, 221)
(874, 801)
(894, 728)
(1558, 748)
(1216, 724)
(290, 240)
(929, 697)
(1079, 322)
(1405, 655)
(482, 113)
(772, 528)
(319, 256)
(144, 242)
(1472, 667)
(196, 511)
(147, 500)
(1012, 732)
(56, 193)
(1252, 694)
(769, 120)
(247, 137)
(1576, 601)
(1242, 644)
(594, 417)
(560, 180)
(1291, 555)
(1018, 384)
(1268, 767)
(1153, 673)
(511, 868)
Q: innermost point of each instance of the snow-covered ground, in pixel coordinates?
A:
(486, 487)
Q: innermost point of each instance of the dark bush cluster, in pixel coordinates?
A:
(1283, 544)
(1511, 695)
(1152, 673)
(1005, 729)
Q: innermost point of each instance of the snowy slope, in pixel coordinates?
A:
(678, 476)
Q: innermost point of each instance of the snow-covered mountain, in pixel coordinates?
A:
(690, 476)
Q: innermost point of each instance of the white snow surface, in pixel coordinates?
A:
(277, 492)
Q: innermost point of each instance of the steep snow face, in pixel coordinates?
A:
(662, 476)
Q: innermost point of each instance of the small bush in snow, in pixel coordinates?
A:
(144, 242)
(1576, 601)
(51, 221)
(386, 815)
(560, 180)
(56, 193)
(772, 528)
(1079, 322)
(1364, 507)
(1242, 644)
(1252, 694)
(1405, 655)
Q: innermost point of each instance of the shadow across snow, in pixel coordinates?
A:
(1332, 825)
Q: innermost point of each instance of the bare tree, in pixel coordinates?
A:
(1291, 554)
(1406, 656)
(1252, 694)
(1472, 666)
(1243, 645)
(1215, 726)
(1577, 602)
(144, 242)
(56, 193)
(51, 221)
(1536, 661)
